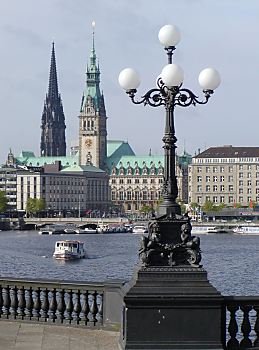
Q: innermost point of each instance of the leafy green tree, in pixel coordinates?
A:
(146, 209)
(194, 205)
(3, 202)
(208, 206)
(35, 205)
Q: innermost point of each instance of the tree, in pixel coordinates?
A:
(3, 202)
(208, 206)
(146, 209)
(35, 205)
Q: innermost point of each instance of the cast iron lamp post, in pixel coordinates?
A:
(169, 93)
(169, 303)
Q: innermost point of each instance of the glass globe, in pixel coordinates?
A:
(129, 79)
(169, 35)
(209, 79)
(172, 75)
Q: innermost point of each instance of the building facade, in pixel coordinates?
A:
(53, 138)
(75, 189)
(225, 175)
(137, 181)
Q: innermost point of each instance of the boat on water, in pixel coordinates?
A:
(69, 250)
(87, 229)
(246, 230)
(206, 230)
(139, 229)
(52, 230)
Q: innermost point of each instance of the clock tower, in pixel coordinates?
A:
(92, 118)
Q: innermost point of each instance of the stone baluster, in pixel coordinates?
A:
(84, 308)
(233, 328)
(61, 306)
(99, 303)
(6, 302)
(76, 307)
(29, 303)
(14, 302)
(92, 308)
(44, 304)
(256, 326)
(21, 303)
(69, 306)
(246, 327)
(36, 303)
(53, 305)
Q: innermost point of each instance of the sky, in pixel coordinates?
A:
(222, 34)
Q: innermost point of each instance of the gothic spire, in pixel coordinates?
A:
(53, 138)
(53, 80)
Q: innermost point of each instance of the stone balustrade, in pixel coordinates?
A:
(61, 302)
(100, 304)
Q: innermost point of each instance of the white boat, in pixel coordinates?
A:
(206, 230)
(69, 250)
(70, 229)
(86, 229)
(246, 230)
(139, 229)
(52, 230)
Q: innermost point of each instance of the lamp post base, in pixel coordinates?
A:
(172, 308)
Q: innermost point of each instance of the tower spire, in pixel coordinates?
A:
(93, 27)
(53, 80)
(53, 138)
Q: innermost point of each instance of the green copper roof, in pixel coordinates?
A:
(26, 154)
(40, 161)
(117, 149)
(82, 168)
(141, 161)
(92, 88)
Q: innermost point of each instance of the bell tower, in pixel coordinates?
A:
(92, 118)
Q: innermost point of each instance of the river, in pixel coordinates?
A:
(231, 260)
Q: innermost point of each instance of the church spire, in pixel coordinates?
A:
(53, 139)
(53, 80)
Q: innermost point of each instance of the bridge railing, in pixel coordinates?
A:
(77, 303)
(99, 305)
(242, 328)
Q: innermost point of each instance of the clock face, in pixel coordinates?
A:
(88, 143)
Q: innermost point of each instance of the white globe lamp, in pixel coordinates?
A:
(169, 35)
(209, 79)
(129, 79)
(172, 75)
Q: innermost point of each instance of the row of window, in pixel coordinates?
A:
(222, 188)
(136, 181)
(226, 200)
(222, 169)
(129, 195)
(136, 171)
(226, 160)
(229, 178)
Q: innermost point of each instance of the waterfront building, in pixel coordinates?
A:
(53, 139)
(8, 182)
(225, 175)
(137, 180)
(71, 188)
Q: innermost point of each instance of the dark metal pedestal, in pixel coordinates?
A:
(172, 308)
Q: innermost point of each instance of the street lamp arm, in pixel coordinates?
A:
(186, 97)
(153, 97)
